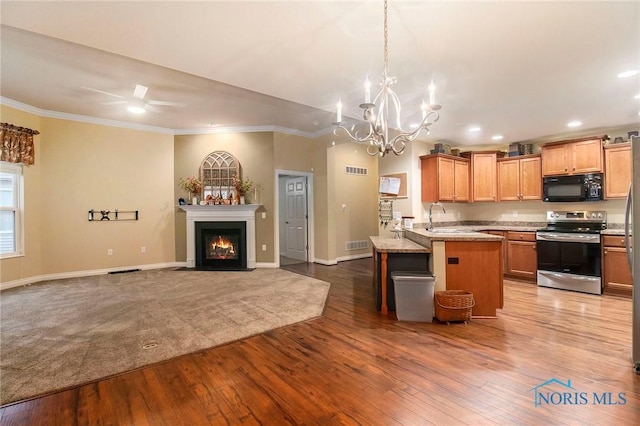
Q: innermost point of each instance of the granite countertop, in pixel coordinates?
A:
(397, 245)
(614, 231)
(458, 233)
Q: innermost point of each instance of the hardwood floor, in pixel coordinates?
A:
(355, 366)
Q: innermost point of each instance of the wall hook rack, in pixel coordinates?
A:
(385, 211)
(115, 215)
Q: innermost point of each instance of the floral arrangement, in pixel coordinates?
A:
(192, 184)
(242, 186)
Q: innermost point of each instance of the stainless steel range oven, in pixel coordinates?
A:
(569, 251)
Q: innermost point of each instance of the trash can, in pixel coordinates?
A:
(414, 292)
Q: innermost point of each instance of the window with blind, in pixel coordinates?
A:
(11, 212)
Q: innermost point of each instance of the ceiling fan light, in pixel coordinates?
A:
(135, 109)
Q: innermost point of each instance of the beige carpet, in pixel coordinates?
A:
(63, 333)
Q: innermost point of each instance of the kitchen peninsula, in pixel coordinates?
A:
(459, 259)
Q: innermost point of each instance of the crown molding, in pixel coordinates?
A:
(167, 131)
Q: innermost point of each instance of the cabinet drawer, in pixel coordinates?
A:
(521, 236)
(613, 240)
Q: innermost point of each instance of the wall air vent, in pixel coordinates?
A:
(356, 245)
(352, 170)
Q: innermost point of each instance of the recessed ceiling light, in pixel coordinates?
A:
(574, 123)
(629, 73)
(474, 129)
(497, 137)
(135, 109)
(637, 96)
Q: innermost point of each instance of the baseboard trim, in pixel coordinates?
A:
(266, 265)
(77, 274)
(325, 261)
(354, 257)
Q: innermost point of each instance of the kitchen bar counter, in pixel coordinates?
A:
(464, 259)
(391, 254)
(396, 245)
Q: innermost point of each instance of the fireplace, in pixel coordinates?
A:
(221, 245)
(241, 213)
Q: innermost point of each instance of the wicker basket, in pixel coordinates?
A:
(454, 305)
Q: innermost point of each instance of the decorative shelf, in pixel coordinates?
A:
(115, 215)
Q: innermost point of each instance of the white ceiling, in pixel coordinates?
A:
(520, 69)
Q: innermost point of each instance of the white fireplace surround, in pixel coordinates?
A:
(234, 213)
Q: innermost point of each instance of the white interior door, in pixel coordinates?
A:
(296, 217)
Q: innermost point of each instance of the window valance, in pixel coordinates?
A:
(17, 144)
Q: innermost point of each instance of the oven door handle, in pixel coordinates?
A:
(569, 237)
(564, 275)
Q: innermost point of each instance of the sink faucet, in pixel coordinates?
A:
(430, 228)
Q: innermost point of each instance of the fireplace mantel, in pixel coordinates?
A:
(221, 213)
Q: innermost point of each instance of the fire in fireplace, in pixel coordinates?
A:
(221, 245)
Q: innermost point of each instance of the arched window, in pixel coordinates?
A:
(217, 172)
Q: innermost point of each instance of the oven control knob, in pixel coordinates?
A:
(600, 215)
(556, 215)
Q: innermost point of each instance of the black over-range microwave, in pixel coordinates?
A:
(587, 187)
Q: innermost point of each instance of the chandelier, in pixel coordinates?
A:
(376, 134)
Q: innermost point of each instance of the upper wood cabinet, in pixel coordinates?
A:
(617, 170)
(444, 178)
(572, 157)
(484, 180)
(520, 178)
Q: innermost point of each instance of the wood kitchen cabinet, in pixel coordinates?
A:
(503, 234)
(444, 178)
(617, 170)
(572, 157)
(484, 179)
(476, 266)
(520, 178)
(616, 274)
(522, 258)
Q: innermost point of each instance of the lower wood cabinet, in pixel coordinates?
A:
(522, 258)
(503, 234)
(476, 266)
(616, 274)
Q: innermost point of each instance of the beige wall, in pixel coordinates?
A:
(80, 167)
(30, 264)
(296, 153)
(254, 151)
(353, 199)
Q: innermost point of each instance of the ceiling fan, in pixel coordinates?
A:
(136, 103)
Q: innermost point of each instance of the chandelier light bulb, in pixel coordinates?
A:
(339, 118)
(367, 91)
